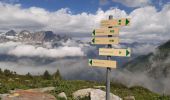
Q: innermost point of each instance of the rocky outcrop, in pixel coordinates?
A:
(94, 94)
(25, 35)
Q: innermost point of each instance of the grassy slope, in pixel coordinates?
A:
(11, 82)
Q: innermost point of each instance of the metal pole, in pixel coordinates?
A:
(108, 71)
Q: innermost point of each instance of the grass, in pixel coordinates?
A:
(11, 82)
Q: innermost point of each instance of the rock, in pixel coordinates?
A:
(95, 94)
(82, 93)
(98, 94)
(62, 95)
(129, 98)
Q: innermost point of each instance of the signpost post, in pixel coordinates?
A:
(109, 28)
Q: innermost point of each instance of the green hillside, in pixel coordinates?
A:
(10, 81)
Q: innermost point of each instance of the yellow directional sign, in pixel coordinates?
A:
(106, 31)
(102, 63)
(105, 40)
(115, 22)
(114, 52)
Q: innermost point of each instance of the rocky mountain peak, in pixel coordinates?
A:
(11, 33)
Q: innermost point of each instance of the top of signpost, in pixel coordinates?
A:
(116, 22)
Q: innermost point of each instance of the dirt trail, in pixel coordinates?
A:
(28, 95)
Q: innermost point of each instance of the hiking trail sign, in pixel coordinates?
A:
(115, 22)
(114, 52)
(109, 28)
(102, 63)
(105, 40)
(105, 31)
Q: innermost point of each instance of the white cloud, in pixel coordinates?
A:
(147, 24)
(19, 50)
(133, 3)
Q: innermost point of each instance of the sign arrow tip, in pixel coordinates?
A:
(127, 21)
(127, 52)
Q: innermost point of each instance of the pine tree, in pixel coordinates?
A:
(57, 75)
(46, 75)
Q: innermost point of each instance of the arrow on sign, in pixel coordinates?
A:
(93, 40)
(90, 61)
(128, 52)
(127, 21)
(93, 33)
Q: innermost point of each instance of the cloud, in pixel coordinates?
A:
(20, 50)
(133, 3)
(147, 24)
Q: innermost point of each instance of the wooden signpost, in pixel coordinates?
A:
(109, 28)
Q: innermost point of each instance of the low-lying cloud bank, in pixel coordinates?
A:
(19, 50)
(130, 79)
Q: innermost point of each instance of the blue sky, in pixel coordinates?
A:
(90, 6)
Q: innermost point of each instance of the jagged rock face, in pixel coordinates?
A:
(11, 33)
(35, 38)
(25, 35)
(44, 36)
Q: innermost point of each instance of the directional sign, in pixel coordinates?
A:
(106, 31)
(115, 22)
(105, 40)
(114, 52)
(102, 63)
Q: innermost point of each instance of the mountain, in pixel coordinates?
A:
(156, 64)
(11, 33)
(39, 37)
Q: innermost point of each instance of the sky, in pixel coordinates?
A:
(79, 17)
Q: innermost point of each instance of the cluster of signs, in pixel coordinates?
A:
(106, 31)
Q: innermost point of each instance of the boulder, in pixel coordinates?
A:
(98, 94)
(94, 94)
(82, 93)
(62, 95)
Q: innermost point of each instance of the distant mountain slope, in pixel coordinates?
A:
(156, 64)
